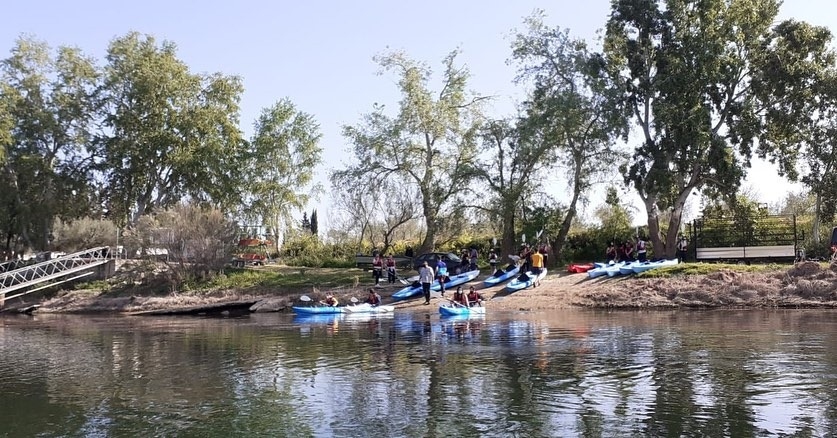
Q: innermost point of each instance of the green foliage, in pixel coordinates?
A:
(83, 233)
(304, 249)
(315, 226)
(426, 145)
(172, 133)
(281, 159)
(683, 71)
(708, 268)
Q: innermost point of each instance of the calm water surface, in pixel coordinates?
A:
(569, 373)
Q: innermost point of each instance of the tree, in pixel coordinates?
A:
(507, 167)
(684, 70)
(47, 115)
(305, 224)
(172, 133)
(568, 110)
(801, 109)
(314, 223)
(281, 159)
(427, 143)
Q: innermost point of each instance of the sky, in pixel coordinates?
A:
(319, 53)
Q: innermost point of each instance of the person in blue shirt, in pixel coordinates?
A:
(442, 274)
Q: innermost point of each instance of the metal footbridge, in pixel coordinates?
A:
(59, 270)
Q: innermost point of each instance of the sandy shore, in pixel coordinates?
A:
(806, 285)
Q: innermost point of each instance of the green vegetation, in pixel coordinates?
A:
(106, 152)
(282, 277)
(708, 268)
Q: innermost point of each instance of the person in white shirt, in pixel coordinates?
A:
(426, 277)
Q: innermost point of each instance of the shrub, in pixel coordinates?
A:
(84, 233)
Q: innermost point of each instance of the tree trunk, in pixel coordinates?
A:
(815, 226)
(564, 231)
(654, 225)
(507, 240)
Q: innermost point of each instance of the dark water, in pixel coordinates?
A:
(569, 373)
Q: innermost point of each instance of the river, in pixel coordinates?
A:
(566, 373)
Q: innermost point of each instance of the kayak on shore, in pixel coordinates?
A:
(504, 275)
(525, 280)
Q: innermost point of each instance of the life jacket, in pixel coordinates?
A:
(377, 263)
(390, 263)
(473, 296)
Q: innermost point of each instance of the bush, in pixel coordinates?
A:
(81, 234)
(197, 241)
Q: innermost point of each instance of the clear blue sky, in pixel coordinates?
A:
(319, 53)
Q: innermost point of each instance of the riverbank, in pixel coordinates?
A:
(805, 285)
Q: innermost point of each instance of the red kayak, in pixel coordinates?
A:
(576, 268)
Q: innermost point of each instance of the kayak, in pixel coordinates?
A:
(642, 267)
(613, 270)
(494, 280)
(453, 310)
(602, 269)
(577, 268)
(456, 280)
(628, 268)
(317, 310)
(368, 308)
(411, 290)
(522, 282)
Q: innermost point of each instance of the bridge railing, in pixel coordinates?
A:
(53, 269)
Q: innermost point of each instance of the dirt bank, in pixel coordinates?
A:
(807, 284)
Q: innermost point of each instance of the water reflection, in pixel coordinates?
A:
(573, 373)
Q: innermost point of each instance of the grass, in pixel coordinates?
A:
(284, 277)
(708, 268)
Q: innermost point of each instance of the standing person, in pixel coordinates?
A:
(537, 266)
(492, 260)
(390, 269)
(426, 276)
(610, 252)
(641, 252)
(473, 254)
(442, 274)
(682, 246)
(545, 253)
(525, 258)
(628, 251)
(377, 269)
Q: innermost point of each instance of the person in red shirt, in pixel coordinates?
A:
(377, 269)
(390, 269)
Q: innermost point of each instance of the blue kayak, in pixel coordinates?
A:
(410, 291)
(647, 266)
(456, 280)
(525, 280)
(497, 279)
(317, 310)
(453, 310)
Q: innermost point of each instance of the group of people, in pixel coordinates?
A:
(628, 251)
(378, 266)
(471, 299)
(638, 251)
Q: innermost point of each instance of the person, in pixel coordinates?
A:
(610, 252)
(329, 301)
(524, 258)
(474, 298)
(537, 266)
(374, 299)
(391, 269)
(545, 253)
(628, 251)
(492, 260)
(377, 269)
(473, 255)
(641, 252)
(459, 297)
(442, 274)
(409, 252)
(682, 246)
(466, 263)
(426, 276)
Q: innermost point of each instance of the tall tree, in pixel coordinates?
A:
(282, 157)
(508, 167)
(427, 143)
(570, 111)
(47, 116)
(684, 70)
(315, 226)
(797, 81)
(172, 133)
